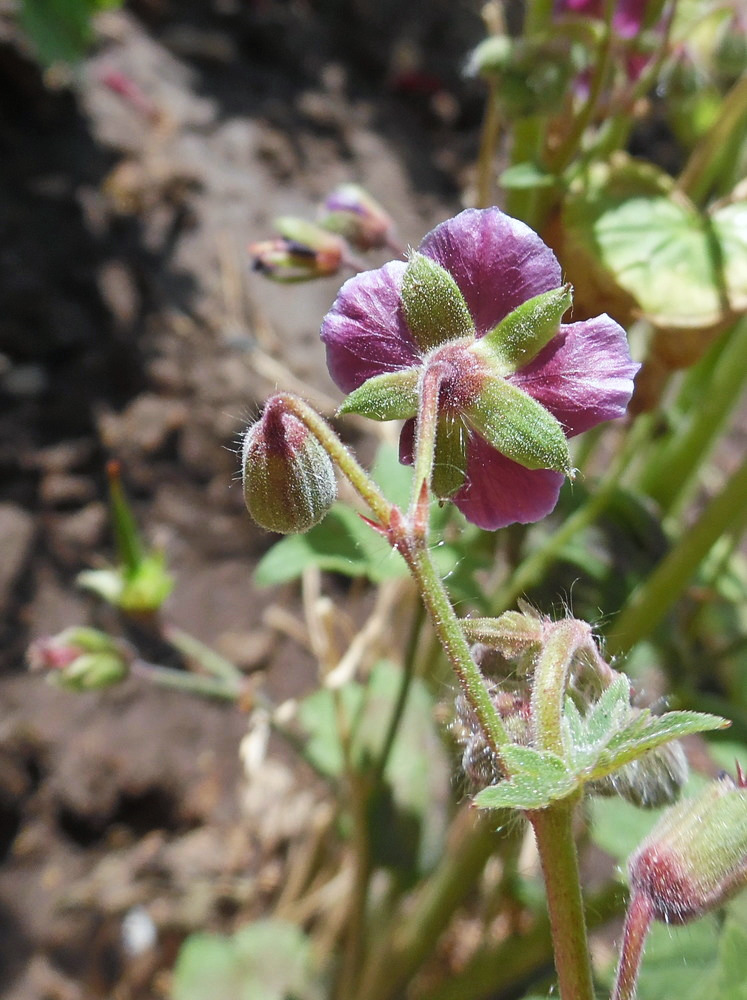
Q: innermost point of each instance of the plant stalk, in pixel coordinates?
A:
(553, 830)
(637, 923)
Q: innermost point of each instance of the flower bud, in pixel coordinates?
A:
(696, 855)
(479, 763)
(653, 780)
(79, 659)
(304, 251)
(353, 213)
(289, 479)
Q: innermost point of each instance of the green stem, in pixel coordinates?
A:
(653, 598)
(181, 680)
(412, 939)
(671, 469)
(491, 127)
(208, 659)
(529, 141)
(553, 830)
(702, 169)
(532, 569)
(408, 673)
(538, 16)
(551, 681)
(340, 455)
(637, 922)
(425, 448)
(450, 634)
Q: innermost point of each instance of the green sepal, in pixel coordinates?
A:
(450, 465)
(520, 337)
(434, 307)
(519, 427)
(391, 396)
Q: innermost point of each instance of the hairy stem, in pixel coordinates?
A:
(637, 922)
(553, 830)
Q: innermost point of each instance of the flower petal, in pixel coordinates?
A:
(584, 375)
(500, 492)
(365, 330)
(497, 262)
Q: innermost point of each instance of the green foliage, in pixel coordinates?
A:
(266, 960)
(60, 30)
(408, 817)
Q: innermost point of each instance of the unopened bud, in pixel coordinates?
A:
(653, 780)
(353, 213)
(289, 479)
(79, 659)
(696, 855)
(303, 252)
(479, 762)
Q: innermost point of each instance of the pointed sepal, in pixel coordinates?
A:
(391, 396)
(519, 338)
(433, 305)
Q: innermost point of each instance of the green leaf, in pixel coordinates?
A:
(524, 332)
(731, 969)
(519, 427)
(408, 820)
(632, 239)
(434, 307)
(61, 29)
(648, 731)
(526, 176)
(391, 396)
(266, 960)
(539, 777)
(341, 543)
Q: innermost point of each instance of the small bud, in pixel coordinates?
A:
(650, 782)
(696, 855)
(303, 252)
(353, 213)
(479, 763)
(79, 659)
(289, 479)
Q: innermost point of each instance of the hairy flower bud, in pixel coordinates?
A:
(696, 855)
(303, 252)
(351, 211)
(653, 780)
(79, 659)
(289, 479)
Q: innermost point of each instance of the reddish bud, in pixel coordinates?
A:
(304, 251)
(353, 213)
(79, 659)
(289, 479)
(696, 855)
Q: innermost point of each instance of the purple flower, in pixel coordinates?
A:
(627, 19)
(484, 265)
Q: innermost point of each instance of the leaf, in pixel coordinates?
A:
(390, 396)
(731, 972)
(61, 29)
(643, 247)
(648, 731)
(525, 176)
(341, 543)
(539, 778)
(266, 960)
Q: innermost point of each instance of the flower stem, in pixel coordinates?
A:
(553, 830)
(637, 922)
(673, 466)
(716, 147)
(340, 455)
(182, 680)
(551, 681)
(491, 127)
(651, 601)
(451, 637)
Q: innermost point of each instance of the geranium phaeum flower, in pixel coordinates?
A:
(481, 299)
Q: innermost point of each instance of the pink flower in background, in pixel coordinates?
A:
(627, 19)
(580, 374)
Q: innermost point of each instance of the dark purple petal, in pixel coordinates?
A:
(500, 492)
(407, 443)
(365, 332)
(497, 262)
(584, 375)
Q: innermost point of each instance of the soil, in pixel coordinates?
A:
(131, 328)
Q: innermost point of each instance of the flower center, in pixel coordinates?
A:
(463, 375)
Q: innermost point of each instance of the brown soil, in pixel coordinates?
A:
(131, 328)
